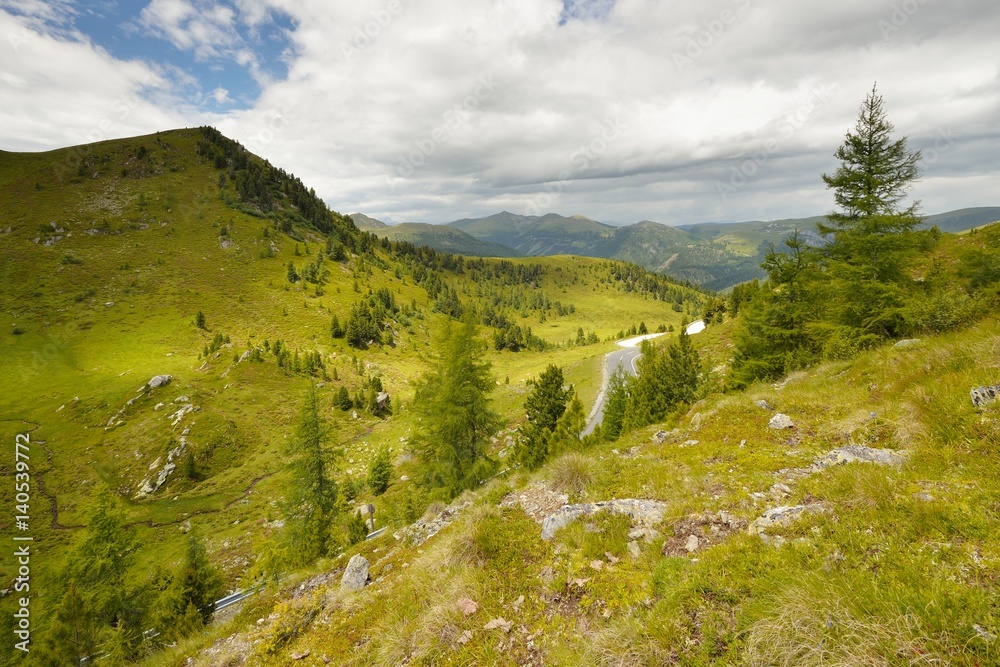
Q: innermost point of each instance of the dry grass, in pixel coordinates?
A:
(817, 627)
(571, 473)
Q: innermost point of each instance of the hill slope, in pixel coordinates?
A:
(443, 238)
(364, 222)
(856, 537)
(109, 252)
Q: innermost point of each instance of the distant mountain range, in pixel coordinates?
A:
(715, 255)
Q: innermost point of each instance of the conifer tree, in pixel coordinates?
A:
(615, 403)
(311, 502)
(72, 634)
(197, 584)
(666, 379)
(774, 336)
(381, 471)
(872, 235)
(544, 406)
(566, 434)
(453, 404)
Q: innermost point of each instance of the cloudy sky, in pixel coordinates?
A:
(431, 110)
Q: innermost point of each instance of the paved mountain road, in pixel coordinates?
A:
(628, 357)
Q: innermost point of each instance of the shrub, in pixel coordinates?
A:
(381, 471)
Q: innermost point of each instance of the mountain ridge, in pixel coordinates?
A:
(711, 254)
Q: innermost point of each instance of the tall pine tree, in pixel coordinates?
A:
(312, 500)
(544, 406)
(871, 236)
(457, 420)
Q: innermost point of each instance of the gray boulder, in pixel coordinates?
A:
(356, 575)
(984, 395)
(782, 516)
(862, 454)
(781, 421)
(159, 381)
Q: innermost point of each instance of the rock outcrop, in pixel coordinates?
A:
(644, 513)
(985, 395)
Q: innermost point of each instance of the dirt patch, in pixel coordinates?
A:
(707, 528)
(537, 501)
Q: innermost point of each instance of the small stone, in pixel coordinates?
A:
(907, 342)
(763, 405)
(660, 437)
(498, 623)
(465, 637)
(466, 606)
(356, 575)
(300, 656)
(692, 544)
(633, 549)
(516, 604)
(984, 634)
(780, 421)
(781, 489)
(158, 406)
(182, 399)
(597, 565)
(611, 557)
(984, 395)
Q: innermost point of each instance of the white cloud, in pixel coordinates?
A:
(61, 92)
(220, 95)
(696, 89)
(205, 29)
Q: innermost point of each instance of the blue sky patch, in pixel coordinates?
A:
(583, 10)
(216, 61)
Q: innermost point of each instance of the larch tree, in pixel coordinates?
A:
(872, 235)
(544, 406)
(312, 499)
(457, 420)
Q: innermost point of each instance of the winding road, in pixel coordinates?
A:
(628, 357)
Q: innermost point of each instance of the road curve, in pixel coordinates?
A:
(627, 356)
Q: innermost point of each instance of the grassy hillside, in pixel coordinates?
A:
(963, 219)
(364, 222)
(443, 238)
(110, 251)
(873, 563)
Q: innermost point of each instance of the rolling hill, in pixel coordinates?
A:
(362, 221)
(183, 257)
(443, 238)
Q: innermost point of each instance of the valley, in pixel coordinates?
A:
(169, 299)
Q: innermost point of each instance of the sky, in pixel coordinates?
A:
(431, 110)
